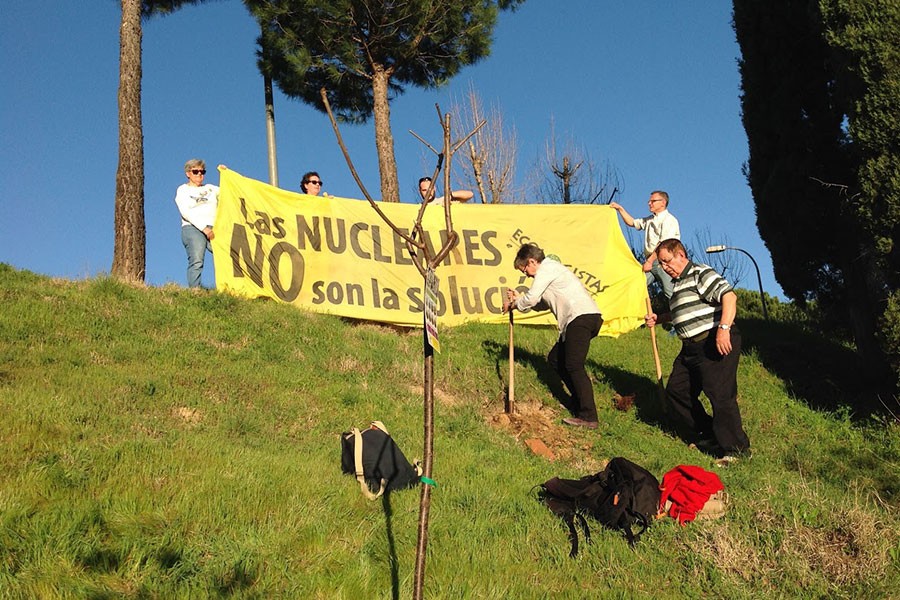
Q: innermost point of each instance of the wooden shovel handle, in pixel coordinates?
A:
(511, 396)
(653, 340)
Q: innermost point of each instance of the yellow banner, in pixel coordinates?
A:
(336, 255)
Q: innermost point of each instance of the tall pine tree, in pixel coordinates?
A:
(363, 52)
(129, 242)
(130, 231)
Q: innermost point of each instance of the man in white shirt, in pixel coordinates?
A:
(557, 289)
(658, 226)
(425, 186)
(197, 203)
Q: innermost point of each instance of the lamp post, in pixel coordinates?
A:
(762, 294)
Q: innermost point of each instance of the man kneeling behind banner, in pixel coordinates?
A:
(336, 255)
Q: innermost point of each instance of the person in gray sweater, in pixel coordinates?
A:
(557, 289)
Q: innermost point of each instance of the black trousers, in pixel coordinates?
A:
(700, 367)
(567, 359)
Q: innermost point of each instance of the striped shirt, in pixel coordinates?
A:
(696, 301)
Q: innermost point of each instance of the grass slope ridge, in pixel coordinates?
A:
(163, 443)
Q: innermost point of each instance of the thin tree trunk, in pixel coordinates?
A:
(129, 252)
(384, 140)
(425, 495)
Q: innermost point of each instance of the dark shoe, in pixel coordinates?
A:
(570, 405)
(708, 446)
(576, 422)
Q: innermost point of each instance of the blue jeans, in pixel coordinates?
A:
(196, 245)
(656, 272)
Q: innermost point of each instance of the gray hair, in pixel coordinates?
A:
(527, 252)
(194, 163)
(665, 196)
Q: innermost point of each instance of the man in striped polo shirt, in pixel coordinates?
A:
(703, 307)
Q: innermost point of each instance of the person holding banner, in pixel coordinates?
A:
(658, 226)
(455, 195)
(312, 184)
(197, 203)
(703, 308)
(557, 289)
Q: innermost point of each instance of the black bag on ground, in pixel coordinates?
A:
(377, 461)
(621, 497)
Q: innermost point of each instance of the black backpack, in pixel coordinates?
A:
(620, 497)
(377, 461)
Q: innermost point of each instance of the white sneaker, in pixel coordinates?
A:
(726, 460)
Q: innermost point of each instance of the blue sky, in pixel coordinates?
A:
(650, 86)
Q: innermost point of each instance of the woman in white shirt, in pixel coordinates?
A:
(197, 203)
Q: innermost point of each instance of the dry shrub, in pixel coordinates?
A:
(306, 419)
(147, 430)
(732, 552)
(244, 342)
(846, 546)
(190, 416)
(446, 398)
(852, 547)
(351, 364)
(100, 359)
(843, 546)
(443, 397)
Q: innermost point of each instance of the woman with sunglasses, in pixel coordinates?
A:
(312, 184)
(197, 203)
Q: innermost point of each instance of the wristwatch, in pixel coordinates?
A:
(724, 326)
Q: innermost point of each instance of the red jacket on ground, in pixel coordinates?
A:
(688, 488)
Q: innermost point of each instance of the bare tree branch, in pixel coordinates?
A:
(489, 161)
(844, 189)
(362, 187)
(568, 173)
(732, 266)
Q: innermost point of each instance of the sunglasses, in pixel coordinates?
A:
(313, 182)
(198, 171)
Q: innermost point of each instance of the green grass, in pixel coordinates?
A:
(162, 443)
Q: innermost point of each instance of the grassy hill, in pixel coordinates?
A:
(163, 443)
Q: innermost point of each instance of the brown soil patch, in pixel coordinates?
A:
(623, 403)
(191, 416)
(534, 421)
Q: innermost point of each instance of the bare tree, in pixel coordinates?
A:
(732, 266)
(426, 260)
(569, 174)
(488, 162)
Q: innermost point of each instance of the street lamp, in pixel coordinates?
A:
(762, 294)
